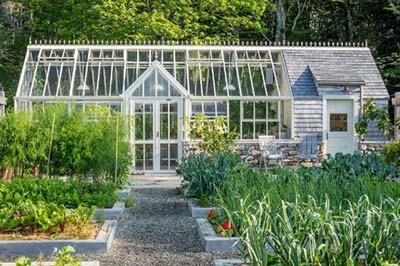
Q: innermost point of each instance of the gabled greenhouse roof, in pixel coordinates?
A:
(107, 71)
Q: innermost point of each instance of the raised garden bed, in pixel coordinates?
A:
(31, 248)
(197, 211)
(214, 243)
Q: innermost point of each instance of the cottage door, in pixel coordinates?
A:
(340, 127)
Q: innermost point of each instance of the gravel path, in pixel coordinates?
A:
(157, 231)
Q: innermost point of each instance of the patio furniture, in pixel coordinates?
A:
(308, 149)
(269, 150)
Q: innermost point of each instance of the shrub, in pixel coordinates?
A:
(202, 174)
(392, 152)
(212, 135)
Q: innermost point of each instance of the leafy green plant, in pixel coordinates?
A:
(212, 135)
(23, 261)
(202, 174)
(392, 152)
(26, 216)
(65, 258)
(71, 193)
(371, 113)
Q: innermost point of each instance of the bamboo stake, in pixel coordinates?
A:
(51, 143)
(116, 152)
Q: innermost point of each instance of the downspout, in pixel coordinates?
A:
(361, 137)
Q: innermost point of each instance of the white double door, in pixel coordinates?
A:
(340, 135)
(156, 133)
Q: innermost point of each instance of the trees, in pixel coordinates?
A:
(210, 20)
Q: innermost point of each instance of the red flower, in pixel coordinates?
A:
(227, 225)
(212, 214)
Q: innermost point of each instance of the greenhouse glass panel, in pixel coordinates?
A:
(245, 80)
(158, 85)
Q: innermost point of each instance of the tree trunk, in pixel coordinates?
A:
(349, 20)
(280, 35)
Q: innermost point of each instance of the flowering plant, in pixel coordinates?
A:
(227, 228)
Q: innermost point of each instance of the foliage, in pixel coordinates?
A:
(25, 216)
(371, 113)
(53, 142)
(65, 258)
(305, 233)
(315, 215)
(352, 166)
(71, 193)
(392, 152)
(202, 174)
(23, 261)
(213, 135)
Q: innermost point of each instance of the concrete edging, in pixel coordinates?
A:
(50, 263)
(228, 262)
(214, 243)
(124, 193)
(118, 208)
(197, 211)
(32, 248)
(116, 211)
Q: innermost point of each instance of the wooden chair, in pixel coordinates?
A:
(308, 148)
(269, 150)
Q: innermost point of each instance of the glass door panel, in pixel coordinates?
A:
(156, 135)
(143, 132)
(168, 135)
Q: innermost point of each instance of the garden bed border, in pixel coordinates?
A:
(196, 211)
(50, 263)
(214, 243)
(117, 209)
(101, 244)
(228, 262)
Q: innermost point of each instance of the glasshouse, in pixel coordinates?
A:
(284, 91)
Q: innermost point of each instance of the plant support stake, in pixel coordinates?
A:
(51, 143)
(116, 152)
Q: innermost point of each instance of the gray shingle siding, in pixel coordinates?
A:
(307, 116)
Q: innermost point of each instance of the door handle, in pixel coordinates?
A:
(158, 134)
(327, 135)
